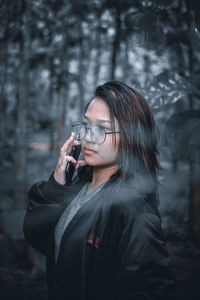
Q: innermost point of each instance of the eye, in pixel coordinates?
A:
(105, 128)
(100, 129)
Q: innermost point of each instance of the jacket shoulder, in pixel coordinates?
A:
(130, 201)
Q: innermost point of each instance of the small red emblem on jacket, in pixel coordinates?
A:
(91, 241)
(97, 240)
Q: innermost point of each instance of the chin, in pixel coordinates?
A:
(91, 162)
(94, 163)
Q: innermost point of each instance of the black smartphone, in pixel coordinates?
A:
(70, 168)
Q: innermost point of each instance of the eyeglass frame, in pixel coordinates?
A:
(90, 128)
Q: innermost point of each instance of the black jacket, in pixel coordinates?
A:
(113, 248)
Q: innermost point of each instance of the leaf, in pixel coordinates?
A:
(167, 88)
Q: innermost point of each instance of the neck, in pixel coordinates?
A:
(101, 175)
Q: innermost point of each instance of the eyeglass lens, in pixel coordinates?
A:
(97, 133)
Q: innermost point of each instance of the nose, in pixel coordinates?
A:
(88, 136)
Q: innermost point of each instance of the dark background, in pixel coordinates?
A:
(53, 54)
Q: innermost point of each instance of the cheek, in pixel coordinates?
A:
(108, 152)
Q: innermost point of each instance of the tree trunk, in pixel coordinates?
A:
(3, 97)
(23, 94)
(116, 43)
(61, 118)
(82, 69)
(194, 198)
(63, 86)
(147, 69)
(179, 50)
(98, 53)
(125, 62)
(194, 194)
(190, 50)
(180, 67)
(51, 102)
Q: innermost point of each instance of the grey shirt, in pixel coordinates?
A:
(82, 197)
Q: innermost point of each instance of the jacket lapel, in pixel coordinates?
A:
(93, 204)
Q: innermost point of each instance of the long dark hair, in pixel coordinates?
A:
(138, 149)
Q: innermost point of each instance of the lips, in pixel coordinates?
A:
(87, 150)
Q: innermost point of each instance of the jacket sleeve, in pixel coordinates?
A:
(43, 210)
(144, 271)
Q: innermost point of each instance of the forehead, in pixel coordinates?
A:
(98, 109)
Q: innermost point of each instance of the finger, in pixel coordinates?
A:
(67, 145)
(71, 159)
(80, 163)
(75, 142)
(65, 160)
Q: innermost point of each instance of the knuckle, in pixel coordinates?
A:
(67, 158)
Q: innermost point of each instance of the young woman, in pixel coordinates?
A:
(101, 234)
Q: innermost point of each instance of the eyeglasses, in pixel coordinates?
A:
(97, 133)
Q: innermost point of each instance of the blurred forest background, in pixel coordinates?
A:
(53, 55)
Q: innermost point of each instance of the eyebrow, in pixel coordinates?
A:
(100, 120)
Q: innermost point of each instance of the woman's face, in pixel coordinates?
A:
(105, 154)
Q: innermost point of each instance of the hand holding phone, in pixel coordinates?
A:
(67, 163)
(70, 168)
